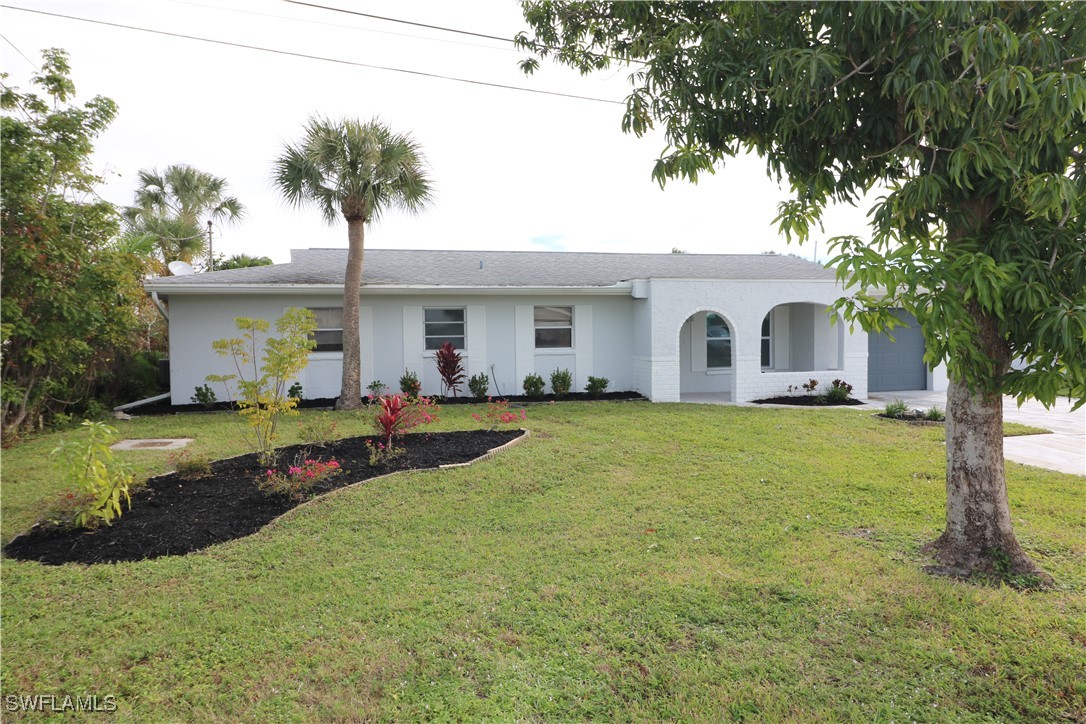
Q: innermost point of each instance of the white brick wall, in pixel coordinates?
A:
(744, 305)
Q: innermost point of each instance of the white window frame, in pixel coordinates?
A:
(535, 328)
(708, 339)
(427, 337)
(329, 329)
(767, 337)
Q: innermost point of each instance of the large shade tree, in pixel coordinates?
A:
(972, 115)
(355, 171)
(68, 294)
(170, 210)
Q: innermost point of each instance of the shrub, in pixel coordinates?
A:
(596, 385)
(298, 480)
(318, 429)
(451, 369)
(63, 512)
(935, 414)
(895, 408)
(380, 453)
(396, 415)
(498, 413)
(97, 481)
(561, 382)
(533, 385)
(479, 384)
(839, 391)
(262, 400)
(205, 396)
(295, 391)
(377, 388)
(189, 466)
(409, 384)
(811, 385)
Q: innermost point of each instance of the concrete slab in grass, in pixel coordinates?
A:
(162, 443)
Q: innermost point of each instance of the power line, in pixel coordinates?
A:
(293, 54)
(398, 20)
(28, 60)
(432, 27)
(349, 27)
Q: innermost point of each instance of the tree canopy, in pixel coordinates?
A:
(972, 115)
(68, 294)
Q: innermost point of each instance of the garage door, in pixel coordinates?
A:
(897, 364)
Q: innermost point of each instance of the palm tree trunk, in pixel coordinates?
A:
(350, 395)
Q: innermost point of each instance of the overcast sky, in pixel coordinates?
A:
(513, 170)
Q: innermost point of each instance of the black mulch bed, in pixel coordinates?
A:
(171, 516)
(806, 401)
(165, 408)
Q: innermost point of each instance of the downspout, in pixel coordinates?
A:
(159, 305)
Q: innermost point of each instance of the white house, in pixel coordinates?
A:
(670, 326)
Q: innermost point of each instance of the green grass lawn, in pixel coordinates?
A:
(628, 561)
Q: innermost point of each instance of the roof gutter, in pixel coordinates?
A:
(621, 288)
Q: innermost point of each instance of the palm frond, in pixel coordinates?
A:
(353, 170)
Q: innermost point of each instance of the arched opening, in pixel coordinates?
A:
(801, 337)
(707, 354)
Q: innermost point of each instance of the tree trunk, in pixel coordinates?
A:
(350, 395)
(979, 537)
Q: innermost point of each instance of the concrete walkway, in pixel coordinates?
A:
(1063, 450)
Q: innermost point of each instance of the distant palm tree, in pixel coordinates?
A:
(355, 170)
(172, 207)
(243, 261)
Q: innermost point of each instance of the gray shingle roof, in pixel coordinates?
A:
(508, 269)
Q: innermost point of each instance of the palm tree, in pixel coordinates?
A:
(355, 170)
(171, 208)
(243, 261)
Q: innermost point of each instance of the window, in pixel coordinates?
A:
(444, 325)
(329, 334)
(767, 340)
(553, 327)
(718, 342)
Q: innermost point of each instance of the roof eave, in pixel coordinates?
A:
(622, 288)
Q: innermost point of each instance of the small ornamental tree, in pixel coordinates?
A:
(264, 369)
(451, 368)
(973, 117)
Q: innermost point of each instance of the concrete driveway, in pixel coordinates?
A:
(1063, 450)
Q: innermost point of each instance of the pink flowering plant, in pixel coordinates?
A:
(498, 413)
(298, 480)
(380, 453)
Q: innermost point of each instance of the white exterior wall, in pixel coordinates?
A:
(744, 304)
(635, 341)
(392, 340)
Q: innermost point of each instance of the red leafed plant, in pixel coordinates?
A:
(397, 414)
(498, 413)
(451, 369)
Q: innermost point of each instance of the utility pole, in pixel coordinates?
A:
(210, 250)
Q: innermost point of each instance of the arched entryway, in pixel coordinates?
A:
(707, 354)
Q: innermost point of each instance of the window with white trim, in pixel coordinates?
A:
(718, 342)
(444, 325)
(329, 332)
(767, 340)
(554, 327)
